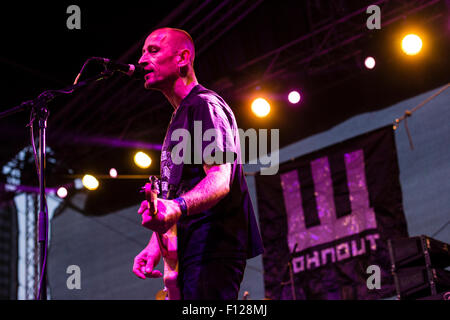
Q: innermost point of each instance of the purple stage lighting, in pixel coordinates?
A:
(369, 63)
(294, 97)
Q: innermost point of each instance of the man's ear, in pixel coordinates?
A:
(184, 58)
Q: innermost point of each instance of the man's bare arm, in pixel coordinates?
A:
(207, 193)
(210, 190)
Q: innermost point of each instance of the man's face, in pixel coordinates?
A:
(159, 57)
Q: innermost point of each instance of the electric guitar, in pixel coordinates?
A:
(167, 245)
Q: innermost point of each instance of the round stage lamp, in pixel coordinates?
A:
(61, 192)
(90, 182)
(411, 44)
(113, 173)
(260, 107)
(369, 63)
(142, 160)
(294, 97)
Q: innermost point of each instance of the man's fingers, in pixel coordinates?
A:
(149, 266)
(154, 274)
(139, 274)
(143, 207)
(150, 272)
(138, 271)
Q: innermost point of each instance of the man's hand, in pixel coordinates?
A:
(167, 215)
(144, 263)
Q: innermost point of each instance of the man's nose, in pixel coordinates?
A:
(143, 61)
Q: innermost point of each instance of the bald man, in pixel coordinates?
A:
(208, 200)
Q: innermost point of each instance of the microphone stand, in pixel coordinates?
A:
(39, 107)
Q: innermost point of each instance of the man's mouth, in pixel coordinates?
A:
(147, 75)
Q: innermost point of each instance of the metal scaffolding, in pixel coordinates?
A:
(31, 248)
(328, 46)
(335, 38)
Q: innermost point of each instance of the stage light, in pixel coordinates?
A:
(260, 107)
(113, 173)
(90, 182)
(62, 192)
(294, 97)
(78, 184)
(142, 160)
(369, 63)
(411, 44)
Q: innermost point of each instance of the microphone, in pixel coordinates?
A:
(131, 70)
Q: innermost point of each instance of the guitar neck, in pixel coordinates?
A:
(151, 195)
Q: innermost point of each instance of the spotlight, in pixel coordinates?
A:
(294, 97)
(142, 160)
(411, 44)
(369, 63)
(90, 182)
(260, 107)
(62, 192)
(113, 173)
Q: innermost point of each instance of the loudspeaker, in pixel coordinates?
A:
(418, 266)
(440, 296)
(418, 251)
(417, 282)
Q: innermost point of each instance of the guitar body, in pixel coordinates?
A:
(169, 240)
(167, 246)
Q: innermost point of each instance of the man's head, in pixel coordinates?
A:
(168, 54)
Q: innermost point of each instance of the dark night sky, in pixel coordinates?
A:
(40, 53)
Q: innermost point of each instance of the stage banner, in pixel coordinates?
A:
(330, 213)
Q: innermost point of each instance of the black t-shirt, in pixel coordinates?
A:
(229, 229)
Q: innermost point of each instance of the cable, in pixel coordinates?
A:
(30, 124)
(74, 207)
(441, 228)
(408, 113)
(118, 232)
(82, 69)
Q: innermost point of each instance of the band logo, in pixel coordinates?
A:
(333, 221)
(326, 216)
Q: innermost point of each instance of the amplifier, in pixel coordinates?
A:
(417, 282)
(418, 251)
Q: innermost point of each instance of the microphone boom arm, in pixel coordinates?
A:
(39, 107)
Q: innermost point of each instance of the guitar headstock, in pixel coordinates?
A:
(151, 190)
(154, 182)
